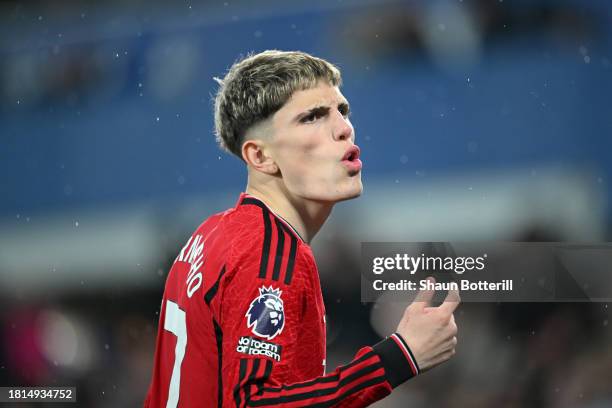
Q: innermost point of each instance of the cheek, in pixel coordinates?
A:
(306, 150)
(301, 155)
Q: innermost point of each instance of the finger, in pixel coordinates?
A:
(452, 323)
(423, 298)
(451, 302)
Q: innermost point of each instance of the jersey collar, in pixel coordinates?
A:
(246, 199)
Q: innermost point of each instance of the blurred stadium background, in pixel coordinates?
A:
(478, 120)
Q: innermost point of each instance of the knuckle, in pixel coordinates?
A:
(444, 319)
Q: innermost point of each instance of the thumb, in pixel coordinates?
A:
(451, 302)
(424, 297)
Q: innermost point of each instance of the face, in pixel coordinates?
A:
(313, 144)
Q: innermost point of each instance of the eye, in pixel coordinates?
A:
(344, 110)
(311, 118)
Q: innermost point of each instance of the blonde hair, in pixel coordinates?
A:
(258, 85)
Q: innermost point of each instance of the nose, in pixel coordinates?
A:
(342, 127)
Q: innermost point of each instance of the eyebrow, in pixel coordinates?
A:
(321, 110)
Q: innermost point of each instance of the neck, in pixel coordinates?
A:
(306, 216)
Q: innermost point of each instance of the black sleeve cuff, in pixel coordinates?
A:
(397, 359)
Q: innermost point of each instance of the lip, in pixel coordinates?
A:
(354, 164)
(352, 151)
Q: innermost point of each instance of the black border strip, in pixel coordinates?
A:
(238, 384)
(219, 338)
(292, 254)
(280, 249)
(210, 294)
(322, 380)
(321, 391)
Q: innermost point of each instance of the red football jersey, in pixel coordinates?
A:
(242, 323)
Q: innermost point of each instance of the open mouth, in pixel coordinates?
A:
(351, 159)
(352, 154)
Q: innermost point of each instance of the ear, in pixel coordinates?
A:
(256, 155)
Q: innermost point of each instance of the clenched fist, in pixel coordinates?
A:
(430, 331)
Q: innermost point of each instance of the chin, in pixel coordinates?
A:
(333, 192)
(354, 190)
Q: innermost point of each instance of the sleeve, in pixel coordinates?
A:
(369, 377)
(277, 345)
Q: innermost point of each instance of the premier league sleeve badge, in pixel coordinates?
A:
(266, 316)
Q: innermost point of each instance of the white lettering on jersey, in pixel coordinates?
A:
(192, 254)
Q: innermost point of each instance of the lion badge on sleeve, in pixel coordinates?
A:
(266, 316)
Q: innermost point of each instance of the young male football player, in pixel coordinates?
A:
(242, 320)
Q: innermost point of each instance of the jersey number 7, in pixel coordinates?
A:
(176, 324)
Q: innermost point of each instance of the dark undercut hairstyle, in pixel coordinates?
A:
(258, 85)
